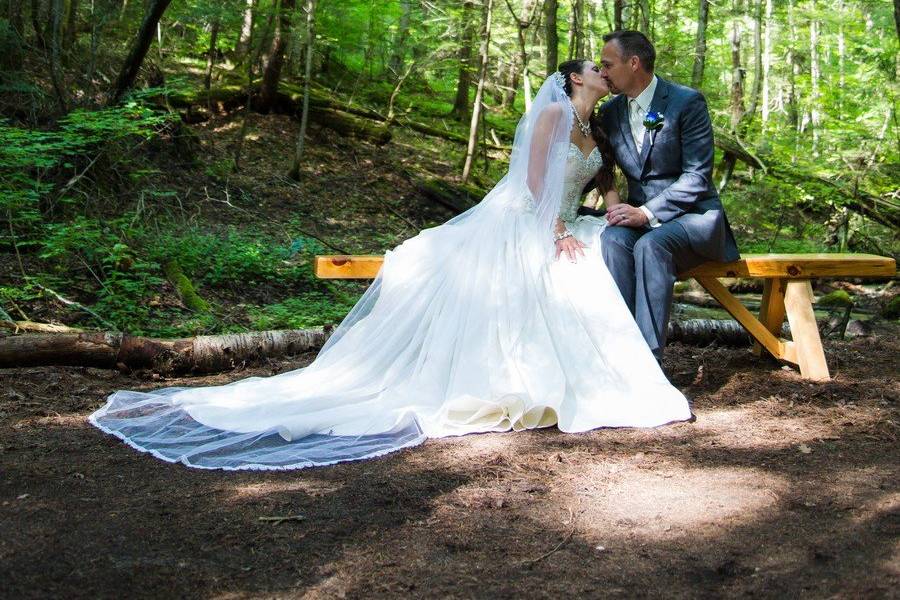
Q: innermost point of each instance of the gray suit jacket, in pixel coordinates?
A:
(672, 176)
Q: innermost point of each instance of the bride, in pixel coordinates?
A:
(504, 317)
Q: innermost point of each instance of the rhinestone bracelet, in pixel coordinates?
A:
(561, 236)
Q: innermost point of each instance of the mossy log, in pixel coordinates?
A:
(202, 354)
(184, 287)
(454, 196)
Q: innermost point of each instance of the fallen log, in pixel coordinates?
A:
(456, 197)
(701, 332)
(34, 327)
(201, 354)
(215, 353)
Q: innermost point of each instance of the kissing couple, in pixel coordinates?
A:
(528, 310)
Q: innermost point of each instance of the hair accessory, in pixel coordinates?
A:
(558, 78)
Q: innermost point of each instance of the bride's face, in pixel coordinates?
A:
(591, 78)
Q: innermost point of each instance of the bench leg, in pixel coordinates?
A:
(798, 299)
(771, 309)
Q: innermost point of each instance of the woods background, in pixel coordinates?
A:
(170, 168)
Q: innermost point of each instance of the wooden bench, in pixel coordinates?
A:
(787, 292)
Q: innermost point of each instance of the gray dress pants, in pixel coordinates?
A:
(644, 263)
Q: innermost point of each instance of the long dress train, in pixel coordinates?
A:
(471, 326)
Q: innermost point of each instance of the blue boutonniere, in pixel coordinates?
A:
(653, 121)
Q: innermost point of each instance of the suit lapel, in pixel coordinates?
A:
(657, 104)
(625, 128)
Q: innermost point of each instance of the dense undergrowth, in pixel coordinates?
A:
(95, 205)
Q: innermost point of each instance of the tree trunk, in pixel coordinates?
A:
(139, 48)
(618, 14)
(398, 47)
(201, 354)
(766, 64)
(211, 56)
(737, 95)
(304, 115)
(749, 115)
(814, 74)
(645, 17)
(529, 12)
(551, 7)
(737, 73)
(793, 114)
(39, 39)
(577, 30)
(897, 18)
(71, 26)
(842, 51)
(245, 38)
(16, 21)
(56, 73)
(479, 91)
(272, 73)
(700, 45)
(466, 40)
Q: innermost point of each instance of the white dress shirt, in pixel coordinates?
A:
(637, 109)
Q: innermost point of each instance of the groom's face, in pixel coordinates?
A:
(618, 71)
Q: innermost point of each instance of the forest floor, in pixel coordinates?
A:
(781, 488)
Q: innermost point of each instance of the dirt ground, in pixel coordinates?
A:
(781, 488)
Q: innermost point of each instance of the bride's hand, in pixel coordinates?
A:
(570, 246)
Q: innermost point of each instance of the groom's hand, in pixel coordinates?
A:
(625, 215)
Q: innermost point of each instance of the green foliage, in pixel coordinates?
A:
(311, 309)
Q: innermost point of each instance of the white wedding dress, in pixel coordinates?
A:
(471, 326)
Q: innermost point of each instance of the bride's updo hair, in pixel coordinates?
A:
(605, 178)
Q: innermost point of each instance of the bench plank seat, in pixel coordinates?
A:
(787, 292)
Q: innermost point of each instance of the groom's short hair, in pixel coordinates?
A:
(634, 43)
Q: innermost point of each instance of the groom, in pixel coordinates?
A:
(673, 219)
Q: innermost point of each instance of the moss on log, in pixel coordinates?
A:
(455, 196)
(184, 287)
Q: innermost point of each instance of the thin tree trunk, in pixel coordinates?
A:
(842, 51)
(645, 17)
(466, 40)
(551, 7)
(748, 116)
(244, 40)
(897, 18)
(529, 13)
(592, 49)
(737, 93)
(304, 115)
(252, 59)
(814, 74)
(36, 24)
(398, 46)
(618, 14)
(479, 91)
(211, 57)
(700, 45)
(56, 74)
(767, 63)
(139, 48)
(71, 28)
(272, 74)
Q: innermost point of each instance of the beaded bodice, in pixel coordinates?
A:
(579, 170)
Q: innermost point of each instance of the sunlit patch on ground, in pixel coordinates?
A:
(253, 491)
(680, 500)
